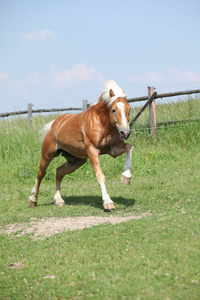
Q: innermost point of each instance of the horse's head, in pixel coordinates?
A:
(119, 109)
(120, 116)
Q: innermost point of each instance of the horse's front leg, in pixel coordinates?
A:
(93, 155)
(118, 150)
(126, 175)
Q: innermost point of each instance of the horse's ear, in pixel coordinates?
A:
(111, 93)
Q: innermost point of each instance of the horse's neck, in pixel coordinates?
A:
(104, 115)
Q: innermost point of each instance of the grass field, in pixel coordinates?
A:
(155, 257)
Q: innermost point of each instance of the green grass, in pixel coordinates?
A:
(156, 257)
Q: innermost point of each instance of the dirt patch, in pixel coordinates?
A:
(42, 228)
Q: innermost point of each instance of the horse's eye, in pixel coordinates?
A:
(114, 111)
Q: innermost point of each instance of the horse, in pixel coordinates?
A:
(102, 129)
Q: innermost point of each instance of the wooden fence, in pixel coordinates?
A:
(152, 107)
(152, 111)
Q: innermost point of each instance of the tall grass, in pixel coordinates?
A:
(20, 145)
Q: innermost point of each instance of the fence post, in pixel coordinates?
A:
(84, 105)
(152, 113)
(30, 114)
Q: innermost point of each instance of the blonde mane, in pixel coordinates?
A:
(111, 92)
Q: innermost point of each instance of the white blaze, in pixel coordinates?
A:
(121, 106)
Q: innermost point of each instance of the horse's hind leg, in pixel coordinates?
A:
(70, 166)
(48, 153)
(44, 162)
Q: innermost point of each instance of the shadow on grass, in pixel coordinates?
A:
(93, 201)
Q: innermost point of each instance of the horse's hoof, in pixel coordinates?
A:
(32, 203)
(125, 180)
(109, 207)
(60, 204)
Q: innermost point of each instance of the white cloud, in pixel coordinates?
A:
(3, 76)
(153, 77)
(179, 76)
(69, 77)
(150, 77)
(172, 76)
(38, 36)
(35, 78)
(20, 86)
(80, 73)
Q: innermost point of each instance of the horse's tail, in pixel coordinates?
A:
(46, 129)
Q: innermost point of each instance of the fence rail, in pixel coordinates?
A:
(151, 103)
(24, 112)
(165, 95)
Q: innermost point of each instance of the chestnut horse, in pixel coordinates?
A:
(102, 129)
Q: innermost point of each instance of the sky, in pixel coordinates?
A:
(55, 53)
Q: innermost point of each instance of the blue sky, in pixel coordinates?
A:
(55, 53)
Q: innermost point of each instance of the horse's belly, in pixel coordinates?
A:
(76, 149)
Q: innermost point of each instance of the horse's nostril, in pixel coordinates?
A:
(129, 133)
(122, 134)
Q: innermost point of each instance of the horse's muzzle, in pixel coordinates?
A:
(124, 134)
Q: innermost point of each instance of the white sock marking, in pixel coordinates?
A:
(105, 196)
